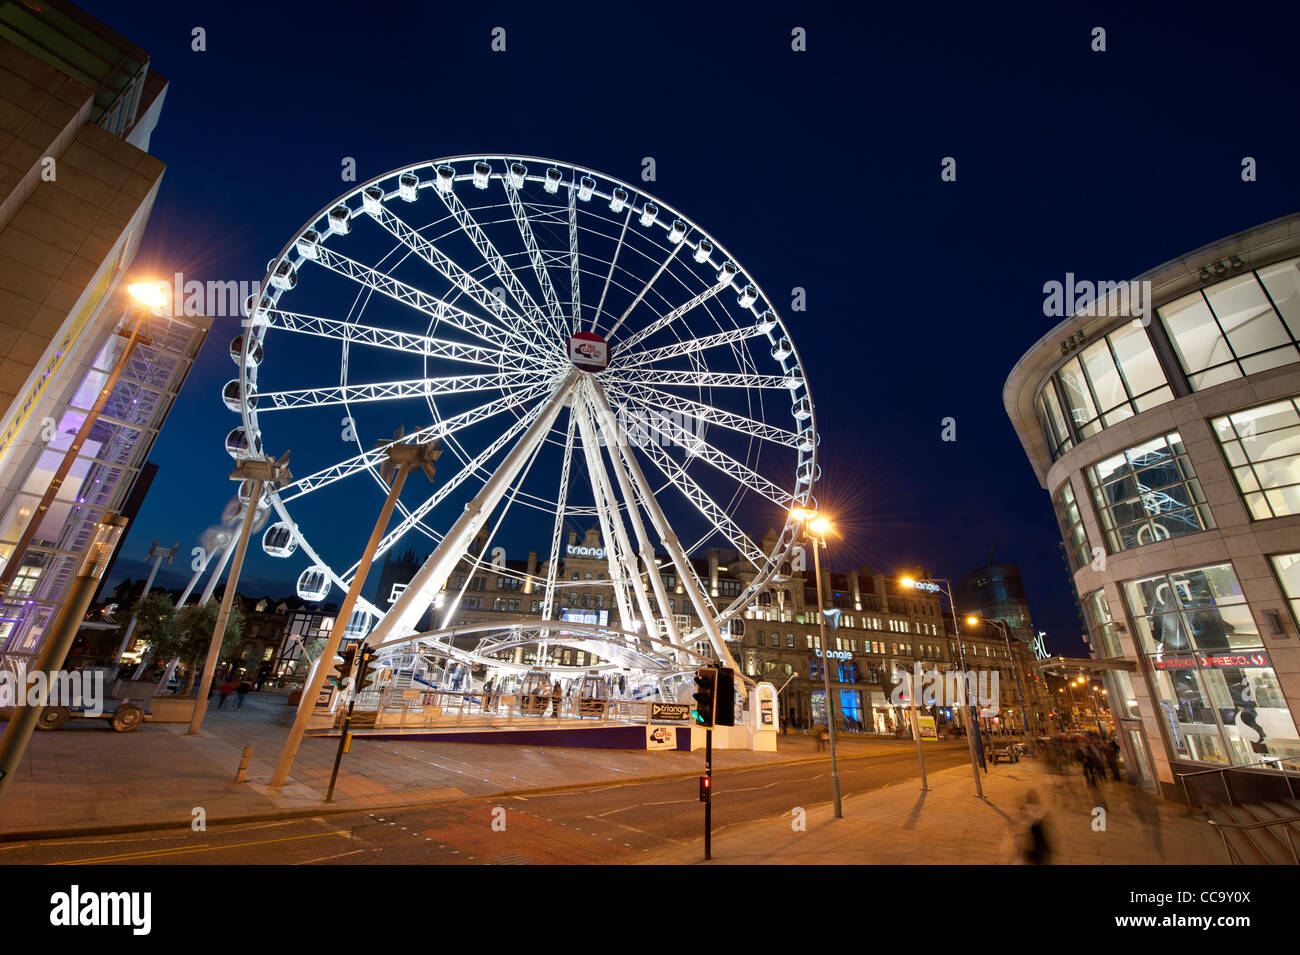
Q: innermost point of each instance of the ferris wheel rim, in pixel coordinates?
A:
(252, 337)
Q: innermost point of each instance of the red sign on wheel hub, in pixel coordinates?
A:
(589, 351)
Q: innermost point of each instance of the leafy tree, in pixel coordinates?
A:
(195, 625)
(155, 621)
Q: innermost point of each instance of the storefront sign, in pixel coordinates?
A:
(836, 654)
(597, 552)
(1212, 661)
(927, 586)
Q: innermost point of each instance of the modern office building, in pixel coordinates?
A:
(78, 104)
(996, 592)
(1169, 440)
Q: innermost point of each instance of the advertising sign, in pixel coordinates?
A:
(928, 728)
(1218, 660)
(326, 696)
(589, 351)
(660, 737)
(670, 711)
(766, 713)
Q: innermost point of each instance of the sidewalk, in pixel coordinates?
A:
(950, 825)
(85, 779)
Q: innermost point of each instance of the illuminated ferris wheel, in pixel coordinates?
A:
(584, 354)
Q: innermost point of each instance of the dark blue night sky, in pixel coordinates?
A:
(818, 169)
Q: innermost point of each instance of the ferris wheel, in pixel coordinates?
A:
(585, 355)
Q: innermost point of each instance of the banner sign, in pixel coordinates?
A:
(670, 711)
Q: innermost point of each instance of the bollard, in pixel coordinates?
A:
(242, 775)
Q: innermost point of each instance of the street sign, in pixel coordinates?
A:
(670, 711)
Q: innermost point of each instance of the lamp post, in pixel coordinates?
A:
(937, 585)
(816, 527)
(402, 457)
(261, 471)
(158, 554)
(1020, 694)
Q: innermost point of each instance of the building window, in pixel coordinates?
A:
(1101, 629)
(1287, 568)
(1213, 680)
(1147, 494)
(1072, 530)
(789, 639)
(1262, 446)
(1231, 329)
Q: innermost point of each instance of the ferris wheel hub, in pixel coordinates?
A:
(588, 351)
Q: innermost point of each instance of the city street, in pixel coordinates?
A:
(604, 824)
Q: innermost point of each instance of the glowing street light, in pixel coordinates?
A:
(150, 294)
(817, 527)
(1020, 695)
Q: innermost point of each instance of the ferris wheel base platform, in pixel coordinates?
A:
(638, 736)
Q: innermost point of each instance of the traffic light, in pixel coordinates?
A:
(706, 788)
(724, 707)
(706, 688)
(342, 668)
(367, 672)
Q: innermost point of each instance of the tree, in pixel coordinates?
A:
(155, 622)
(195, 625)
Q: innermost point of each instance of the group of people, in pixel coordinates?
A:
(1094, 754)
(238, 690)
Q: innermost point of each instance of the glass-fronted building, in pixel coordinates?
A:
(1169, 443)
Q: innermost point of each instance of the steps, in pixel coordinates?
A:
(1262, 845)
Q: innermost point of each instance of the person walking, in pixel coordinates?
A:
(557, 697)
(1026, 841)
(226, 689)
(242, 690)
(1112, 756)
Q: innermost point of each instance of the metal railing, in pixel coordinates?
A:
(403, 708)
(1222, 771)
(1221, 827)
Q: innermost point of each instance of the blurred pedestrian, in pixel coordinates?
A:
(1026, 841)
(242, 690)
(227, 688)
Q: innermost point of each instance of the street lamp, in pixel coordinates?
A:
(816, 527)
(1006, 634)
(938, 585)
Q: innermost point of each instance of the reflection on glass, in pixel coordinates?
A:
(1262, 445)
(1147, 494)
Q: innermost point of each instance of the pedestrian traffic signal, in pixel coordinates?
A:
(706, 788)
(367, 672)
(724, 707)
(706, 687)
(342, 668)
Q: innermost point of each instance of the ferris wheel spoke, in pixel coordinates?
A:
(553, 567)
(609, 276)
(475, 290)
(663, 321)
(696, 447)
(705, 504)
(534, 253)
(421, 301)
(392, 390)
(576, 307)
(469, 225)
(472, 468)
(699, 379)
(666, 401)
(691, 347)
(429, 346)
(645, 288)
(372, 459)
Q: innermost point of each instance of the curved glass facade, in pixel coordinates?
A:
(1246, 323)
